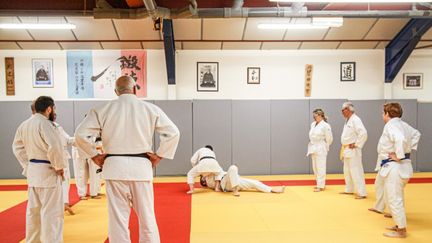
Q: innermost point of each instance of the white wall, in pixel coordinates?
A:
(156, 75)
(420, 61)
(282, 74)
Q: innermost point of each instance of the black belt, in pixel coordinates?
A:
(207, 157)
(385, 161)
(142, 155)
(40, 161)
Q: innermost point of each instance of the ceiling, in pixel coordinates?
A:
(198, 34)
(192, 33)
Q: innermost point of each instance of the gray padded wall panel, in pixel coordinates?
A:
(424, 160)
(409, 107)
(13, 114)
(332, 109)
(180, 112)
(212, 125)
(251, 136)
(289, 129)
(370, 112)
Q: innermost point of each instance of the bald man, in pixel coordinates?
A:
(126, 126)
(353, 138)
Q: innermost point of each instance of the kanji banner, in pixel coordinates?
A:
(79, 73)
(106, 67)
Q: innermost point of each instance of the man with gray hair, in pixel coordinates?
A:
(354, 136)
(126, 126)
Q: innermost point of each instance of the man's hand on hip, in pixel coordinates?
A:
(154, 159)
(99, 159)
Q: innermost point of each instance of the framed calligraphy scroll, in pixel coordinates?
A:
(10, 76)
(308, 80)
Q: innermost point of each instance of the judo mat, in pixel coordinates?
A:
(298, 215)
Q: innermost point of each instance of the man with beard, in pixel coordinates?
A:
(40, 152)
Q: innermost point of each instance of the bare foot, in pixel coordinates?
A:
(95, 197)
(394, 228)
(374, 210)
(83, 198)
(396, 233)
(278, 189)
(360, 197)
(69, 209)
(387, 215)
(346, 193)
(237, 194)
(318, 189)
(190, 192)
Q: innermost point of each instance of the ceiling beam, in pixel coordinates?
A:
(400, 48)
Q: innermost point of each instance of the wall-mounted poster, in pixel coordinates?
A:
(253, 75)
(10, 76)
(79, 72)
(413, 80)
(347, 71)
(92, 74)
(43, 73)
(208, 76)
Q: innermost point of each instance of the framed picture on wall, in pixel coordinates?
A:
(347, 71)
(42, 73)
(207, 76)
(253, 75)
(413, 80)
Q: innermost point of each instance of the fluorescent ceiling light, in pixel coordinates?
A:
(284, 26)
(354, 1)
(316, 23)
(37, 26)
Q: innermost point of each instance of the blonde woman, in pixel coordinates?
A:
(320, 136)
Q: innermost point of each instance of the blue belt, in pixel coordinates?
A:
(385, 161)
(40, 161)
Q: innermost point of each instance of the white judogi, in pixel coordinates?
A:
(204, 163)
(36, 138)
(413, 139)
(399, 138)
(85, 170)
(127, 125)
(353, 132)
(232, 179)
(66, 142)
(320, 136)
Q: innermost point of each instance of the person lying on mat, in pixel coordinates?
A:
(233, 182)
(204, 163)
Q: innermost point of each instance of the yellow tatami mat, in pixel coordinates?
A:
(298, 215)
(301, 215)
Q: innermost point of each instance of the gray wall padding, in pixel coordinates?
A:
(289, 136)
(260, 136)
(212, 125)
(180, 112)
(424, 122)
(13, 114)
(251, 136)
(332, 109)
